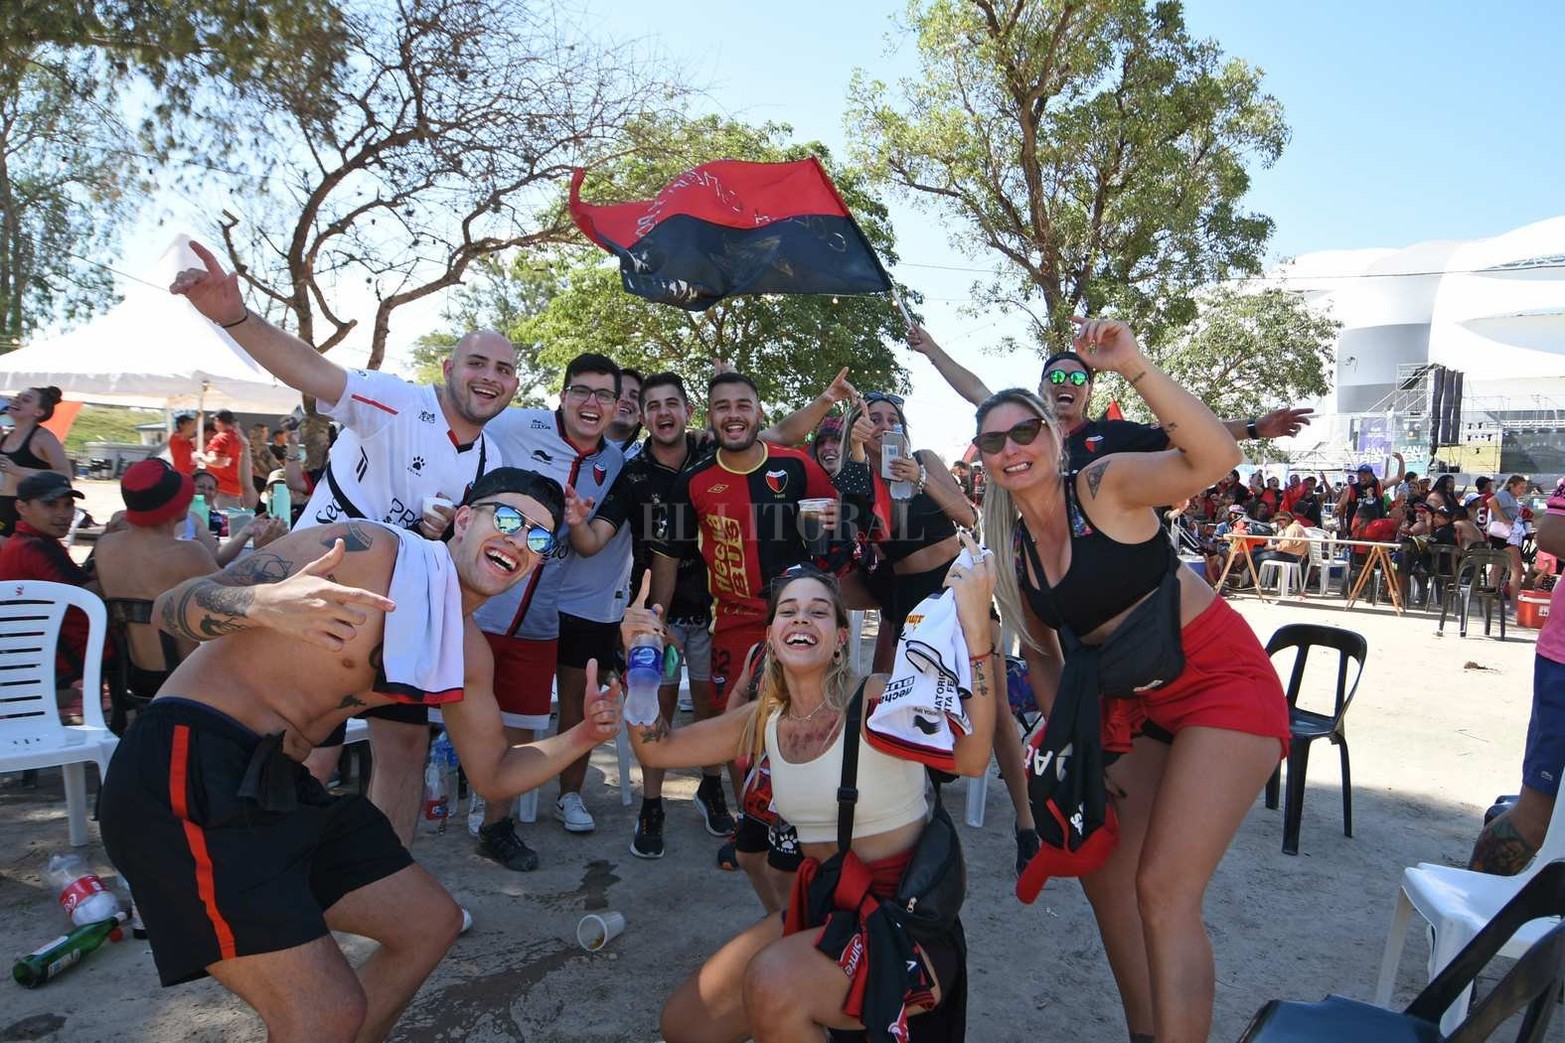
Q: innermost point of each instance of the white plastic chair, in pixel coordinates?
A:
(1323, 560)
(1457, 903)
(1282, 574)
(31, 732)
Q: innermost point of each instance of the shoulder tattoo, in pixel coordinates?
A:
(1094, 475)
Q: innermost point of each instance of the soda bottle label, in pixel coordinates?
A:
(67, 960)
(644, 657)
(78, 891)
(435, 810)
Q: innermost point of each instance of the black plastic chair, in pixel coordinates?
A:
(1482, 575)
(1530, 986)
(1440, 572)
(1305, 726)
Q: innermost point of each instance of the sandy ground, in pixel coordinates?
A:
(1436, 733)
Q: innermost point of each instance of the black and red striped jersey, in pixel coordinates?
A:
(745, 523)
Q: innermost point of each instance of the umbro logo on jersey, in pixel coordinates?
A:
(426, 416)
(417, 466)
(777, 481)
(599, 473)
(542, 457)
(718, 488)
(362, 468)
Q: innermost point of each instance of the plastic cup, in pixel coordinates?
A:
(599, 929)
(431, 502)
(812, 524)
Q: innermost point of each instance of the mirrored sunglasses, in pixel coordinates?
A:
(1060, 376)
(508, 521)
(992, 442)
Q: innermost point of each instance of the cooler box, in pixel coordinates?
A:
(1532, 608)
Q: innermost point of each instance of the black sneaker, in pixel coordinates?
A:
(713, 807)
(648, 841)
(1026, 846)
(501, 843)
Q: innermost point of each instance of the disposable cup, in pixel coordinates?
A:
(812, 524)
(431, 502)
(599, 929)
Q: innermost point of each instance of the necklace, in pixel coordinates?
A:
(804, 717)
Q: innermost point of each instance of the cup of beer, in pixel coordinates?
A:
(812, 524)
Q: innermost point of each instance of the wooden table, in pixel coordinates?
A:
(1380, 553)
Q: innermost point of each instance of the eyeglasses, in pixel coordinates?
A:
(581, 392)
(992, 442)
(1060, 376)
(883, 396)
(508, 521)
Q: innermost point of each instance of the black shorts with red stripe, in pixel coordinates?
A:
(218, 875)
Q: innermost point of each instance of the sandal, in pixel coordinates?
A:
(728, 857)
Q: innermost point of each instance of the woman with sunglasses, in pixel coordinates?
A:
(782, 979)
(1195, 744)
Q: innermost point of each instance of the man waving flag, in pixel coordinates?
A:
(728, 228)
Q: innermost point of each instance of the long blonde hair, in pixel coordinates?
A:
(1000, 513)
(772, 695)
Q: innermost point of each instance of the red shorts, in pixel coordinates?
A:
(1228, 682)
(523, 679)
(731, 639)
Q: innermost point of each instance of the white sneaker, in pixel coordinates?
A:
(570, 810)
(467, 920)
(685, 705)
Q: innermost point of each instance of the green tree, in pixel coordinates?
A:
(1249, 350)
(63, 185)
(1094, 145)
(791, 345)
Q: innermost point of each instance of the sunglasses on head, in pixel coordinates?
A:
(992, 442)
(1060, 376)
(508, 521)
(883, 396)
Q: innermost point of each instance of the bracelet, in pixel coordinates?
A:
(1251, 430)
(236, 322)
(980, 658)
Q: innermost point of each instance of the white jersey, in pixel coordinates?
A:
(394, 450)
(534, 439)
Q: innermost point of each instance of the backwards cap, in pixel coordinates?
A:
(523, 483)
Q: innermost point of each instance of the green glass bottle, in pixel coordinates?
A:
(64, 952)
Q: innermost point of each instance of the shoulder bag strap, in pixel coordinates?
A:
(847, 790)
(341, 497)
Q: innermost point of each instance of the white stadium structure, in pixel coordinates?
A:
(1492, 310)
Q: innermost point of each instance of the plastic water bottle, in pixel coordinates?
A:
(643, 674)
(437, 796)
(893, 445)
(49, 961)
(199, 508)
(475, 814)
(82, 895)
(279, 503)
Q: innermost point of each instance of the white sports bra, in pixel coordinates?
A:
(891, 790)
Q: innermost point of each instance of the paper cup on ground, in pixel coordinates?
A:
(599, 929)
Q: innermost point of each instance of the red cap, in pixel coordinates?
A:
(1057, 861)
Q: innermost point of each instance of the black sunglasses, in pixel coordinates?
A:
(992, 442)
(883, 396)
(1060, 376)
(508, 521)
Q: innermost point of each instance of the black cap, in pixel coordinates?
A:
(225, 415)
(47, 486)
(180, 418)
(1366, 469)
(546, 491)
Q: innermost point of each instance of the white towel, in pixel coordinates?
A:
(920, 714)
(421, 658)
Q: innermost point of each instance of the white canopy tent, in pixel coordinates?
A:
(152, 350)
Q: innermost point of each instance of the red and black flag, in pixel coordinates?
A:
(731, 227)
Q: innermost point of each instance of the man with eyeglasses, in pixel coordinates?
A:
(402, 446)
(543, 632)
(1066, 385)
(242, 863)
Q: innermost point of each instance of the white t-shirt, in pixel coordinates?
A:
(394, 450)
(534, 439)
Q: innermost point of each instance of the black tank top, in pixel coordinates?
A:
(23, 455)
(1105, 577)
(924, 524)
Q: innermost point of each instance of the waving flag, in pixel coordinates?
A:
(728, 228)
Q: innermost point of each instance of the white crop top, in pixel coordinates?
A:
(891, 790)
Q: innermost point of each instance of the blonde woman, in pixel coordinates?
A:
(1196, 714)
(781, 979)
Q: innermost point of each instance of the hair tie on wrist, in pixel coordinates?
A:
(236, 322)
(1251, 430)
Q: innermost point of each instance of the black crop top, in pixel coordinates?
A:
(1105, 577)
(923, 524)
(23, 455)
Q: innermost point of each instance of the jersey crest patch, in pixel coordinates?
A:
(599, 473)
(1094, 442)
(777, 481)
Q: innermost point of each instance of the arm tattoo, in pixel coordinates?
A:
(1137, 378)
(358, 537)
(222, 602)
(980, 685)
(1095, 477)
(1501, 849)
(657, 731)
(350, 700)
